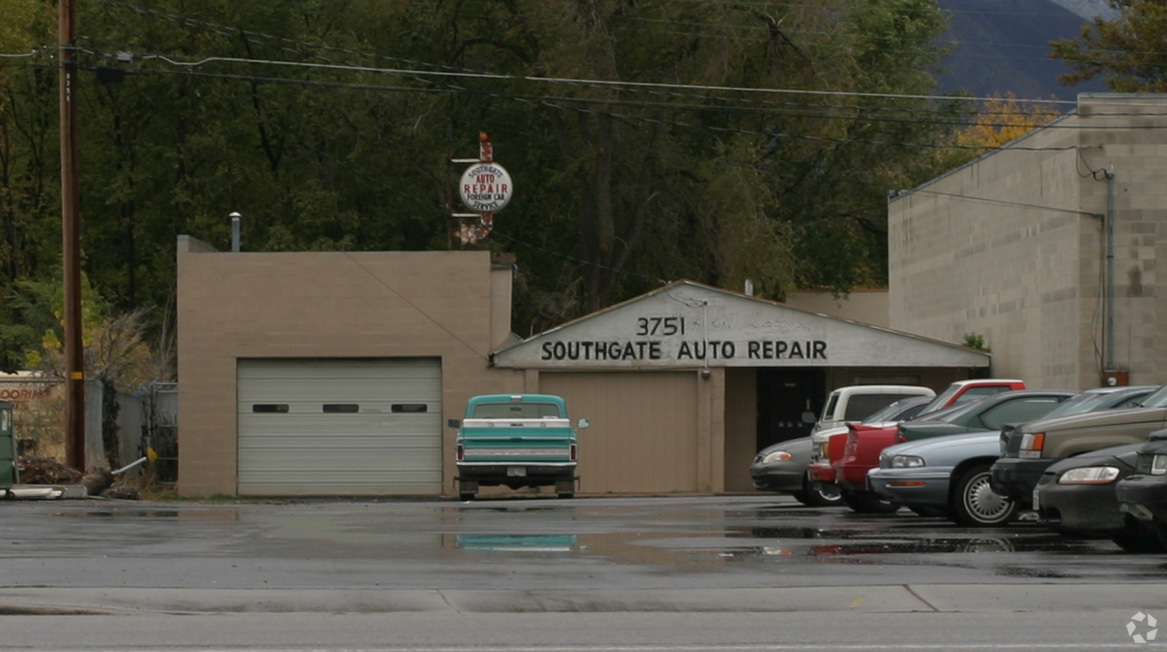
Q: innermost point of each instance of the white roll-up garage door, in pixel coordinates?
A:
(340, 427)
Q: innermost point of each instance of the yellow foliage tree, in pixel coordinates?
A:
(116, 351)
(1003, 119)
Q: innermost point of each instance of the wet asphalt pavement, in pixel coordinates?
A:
(530, 544)
(661, 574)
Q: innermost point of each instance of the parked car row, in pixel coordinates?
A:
(951, 475)
(959, 461)
(789, 466)
(782, 468)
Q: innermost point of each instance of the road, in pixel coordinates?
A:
(745, 572)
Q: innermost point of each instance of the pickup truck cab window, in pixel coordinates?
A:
(515, 411)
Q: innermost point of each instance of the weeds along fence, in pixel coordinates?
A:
(120, 425)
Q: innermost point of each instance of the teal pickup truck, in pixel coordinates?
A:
(516, 440)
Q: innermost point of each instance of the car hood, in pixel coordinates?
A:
(1115, 455)
(951, 448)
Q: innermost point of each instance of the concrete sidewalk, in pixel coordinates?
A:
(968, 598)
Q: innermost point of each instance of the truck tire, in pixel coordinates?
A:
(865, 502)
(565, 488)
(827, 495)
(467, 489)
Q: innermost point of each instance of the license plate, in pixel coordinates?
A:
(1036, 500)
(516, 471)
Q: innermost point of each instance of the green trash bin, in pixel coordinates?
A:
(9, 473)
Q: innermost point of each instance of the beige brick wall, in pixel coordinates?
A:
(448, 305)
(1002, 247)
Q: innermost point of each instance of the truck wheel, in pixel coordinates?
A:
(467, 489)
(565, 488)
(975, 503)
(865, 502)
(827, 495)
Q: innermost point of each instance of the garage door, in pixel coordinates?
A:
(643, 434)
(333, 427)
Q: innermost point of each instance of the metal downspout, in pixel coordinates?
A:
(1109, 358)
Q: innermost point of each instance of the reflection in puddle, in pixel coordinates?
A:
(924, 546)
(518, 543)
(168, 513)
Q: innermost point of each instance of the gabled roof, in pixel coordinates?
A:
(687, 324)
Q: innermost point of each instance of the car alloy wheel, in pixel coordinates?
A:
(975, 503)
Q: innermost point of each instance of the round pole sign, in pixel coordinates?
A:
(486, 187)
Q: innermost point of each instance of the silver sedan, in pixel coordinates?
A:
(945, 476)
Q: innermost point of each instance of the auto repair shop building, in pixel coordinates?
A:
(313, 374)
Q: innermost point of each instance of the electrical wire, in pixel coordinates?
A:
(553, 103)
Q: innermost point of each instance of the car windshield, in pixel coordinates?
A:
(515, 410)
(883, 414)
(1081, 403)
(894, 411)
(1158, 399)
(949, 413)
(940, 399)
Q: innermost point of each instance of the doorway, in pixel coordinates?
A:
(783, 396)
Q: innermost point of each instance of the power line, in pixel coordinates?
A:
(555, 102)
(634, 86)
(234, 32)
(595, 83)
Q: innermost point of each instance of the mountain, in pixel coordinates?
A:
(1002, 46)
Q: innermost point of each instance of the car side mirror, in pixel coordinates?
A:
(809, 417)
(584, 423)
(454, 423)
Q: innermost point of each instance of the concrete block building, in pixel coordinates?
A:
(1047, 248)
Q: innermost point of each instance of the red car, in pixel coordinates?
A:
(821, 469)
(860, 452)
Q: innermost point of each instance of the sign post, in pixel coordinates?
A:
(485, 188)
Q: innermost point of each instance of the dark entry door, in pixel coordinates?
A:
(783, 396)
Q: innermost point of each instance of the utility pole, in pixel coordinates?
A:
(71, 245)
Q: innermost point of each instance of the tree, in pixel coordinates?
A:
(649, 141)
(1127, 52)
(23, 27)
(700, 180)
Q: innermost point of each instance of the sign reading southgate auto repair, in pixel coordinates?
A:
(486, 187)
(686, 324)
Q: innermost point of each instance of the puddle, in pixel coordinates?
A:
(129, 514)
(208, 515)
